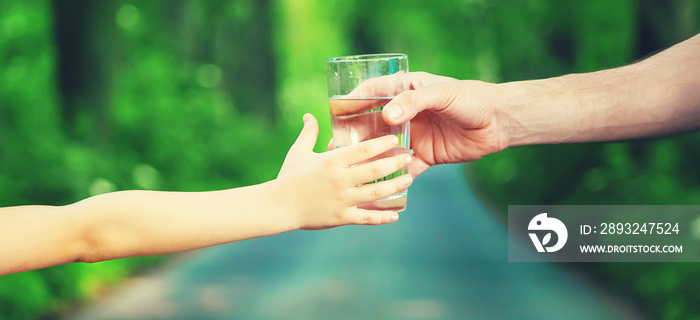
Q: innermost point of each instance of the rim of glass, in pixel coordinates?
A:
(368, 57)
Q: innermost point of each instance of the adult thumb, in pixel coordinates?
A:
(408, 104)
(307, 138)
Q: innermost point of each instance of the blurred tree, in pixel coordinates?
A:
(665, 23)
(233, 40)
(85, 35)
(246, 46)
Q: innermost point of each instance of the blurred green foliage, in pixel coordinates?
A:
(97, 96)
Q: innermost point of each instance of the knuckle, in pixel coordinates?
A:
(409, 98)
(398, 183)
(421, 74)
(376, 172)
(328, 162)
(337, 182)
(377, 192)
(371, 219)
(366, 148)
(341, 216)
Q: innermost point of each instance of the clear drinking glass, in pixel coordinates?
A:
(358, 89)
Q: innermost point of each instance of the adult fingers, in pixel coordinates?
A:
(422, 79)
(383, 86)
(417, 167)
(393, 84)
(378, 169)
(407, 104)
(341, 107)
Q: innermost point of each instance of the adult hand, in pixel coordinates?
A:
(451, 121)
(457, 121)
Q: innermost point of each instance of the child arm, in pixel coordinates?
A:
(312, 191)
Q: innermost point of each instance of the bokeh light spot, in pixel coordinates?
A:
(128, 16)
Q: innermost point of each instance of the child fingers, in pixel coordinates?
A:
(381, 190)
(371, 217)
(378, 169)
(367, 149)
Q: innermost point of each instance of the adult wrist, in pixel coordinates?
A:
(512, 112)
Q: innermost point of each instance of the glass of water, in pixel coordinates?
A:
(358, 89)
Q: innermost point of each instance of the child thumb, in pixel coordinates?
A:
(309, 134)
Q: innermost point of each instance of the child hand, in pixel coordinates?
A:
(324, 189)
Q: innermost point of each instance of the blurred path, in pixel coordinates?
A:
(446, 258)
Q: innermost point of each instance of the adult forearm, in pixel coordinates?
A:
(137, 223)
(655, 97)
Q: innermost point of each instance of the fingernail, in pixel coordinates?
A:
(407, 180)
(394, 217)
(395, 140)
(408, 159)
(305, 118)
(393, 111)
